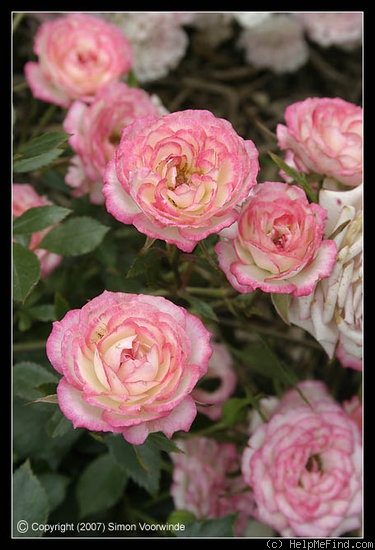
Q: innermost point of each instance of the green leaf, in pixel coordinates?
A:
(181, 516)
(26, 272)
(30, 438)
(44, 312)
(202, 308)
(39, 151)
(296, 176)
(142, 462)
(55, 486)
(100, 485)
(281, 304)
(262, 360)
(43, 144)
(38, 218)
(147, 261)
(58, 424)
(220, 527)
(27, 376)
(30, 164)
(61, 306)
(74, 237)
(161, 441)
(30, 502)
(234, 410)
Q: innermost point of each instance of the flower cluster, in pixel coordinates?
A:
(138, 361)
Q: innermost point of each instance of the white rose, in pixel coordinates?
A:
(332, 314)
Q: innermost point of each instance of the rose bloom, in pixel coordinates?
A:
(277, 44)
(354, 408)
(25, 197)
(332, 314)
(207, 481)
(220, 368)
(305, 467)
(129, 363)
(96, 131)
(324, 135)
(77, 54)
(277, 244)
(341, 29)
(179, 177)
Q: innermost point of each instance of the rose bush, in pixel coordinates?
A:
(128, 364)
(180, 177)
(77, 54)
(277, 243)
(323, 135)
(96, 130)
(224, 333)
(332, 313)
(25, 197)
(305, 466)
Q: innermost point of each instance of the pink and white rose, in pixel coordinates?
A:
(207, 481)
(96, 130)
(25, 197)
(323, 135)
(354, 408)
(340, 29)
(129, 364)
(220, 368)
(77, 54)
(277, 243)
(180, 177)
(276, 43)
(305, 467)
(158, 40)
(332, 314)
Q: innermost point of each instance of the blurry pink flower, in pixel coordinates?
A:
(206, 481)
(77, 55)
(277, 43)
(158, 40)
(341, 29)
(25, 197)
(180, 177)
(332, 314)
(354, 409)
(220, 368)
(129, 363)
(96, 131)
(324, 135)
(277, 244)
(305, 467)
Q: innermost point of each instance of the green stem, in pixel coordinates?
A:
(173, 261)
(208, 256)
(29, 346)
(211, 292)
(21, 86)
